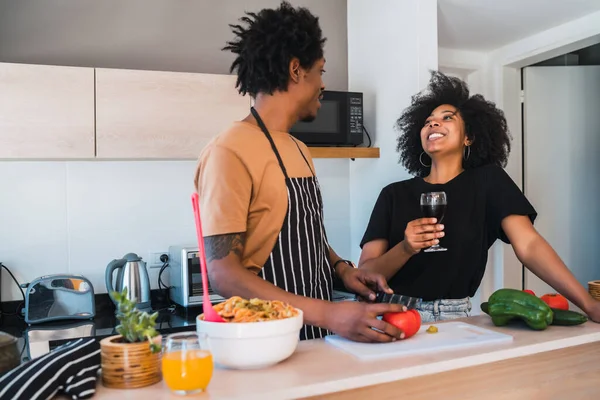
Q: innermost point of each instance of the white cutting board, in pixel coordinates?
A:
(450, 336)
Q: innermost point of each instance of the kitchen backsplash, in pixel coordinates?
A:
(75, 217)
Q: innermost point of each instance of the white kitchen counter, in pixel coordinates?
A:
(318, 368)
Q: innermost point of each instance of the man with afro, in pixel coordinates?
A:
(456, 143)
(259, 196)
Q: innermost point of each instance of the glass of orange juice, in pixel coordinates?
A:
(187, 364)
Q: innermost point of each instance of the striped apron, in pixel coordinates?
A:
(299, 262)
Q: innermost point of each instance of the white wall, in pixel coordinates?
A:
(550, 43)
(389, 72)
(75, 217)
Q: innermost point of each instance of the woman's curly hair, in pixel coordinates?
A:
(485, 125)
(269, 42)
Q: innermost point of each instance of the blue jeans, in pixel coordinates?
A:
(442, 310)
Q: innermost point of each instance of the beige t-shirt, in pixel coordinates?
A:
(242, 189)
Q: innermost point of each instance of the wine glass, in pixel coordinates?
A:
(187, 364)
(433, 205)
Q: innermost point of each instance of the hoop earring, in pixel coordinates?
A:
(421, 160)
(467, 152)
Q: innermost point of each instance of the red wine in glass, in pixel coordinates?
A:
(433, 205)
(434, 211)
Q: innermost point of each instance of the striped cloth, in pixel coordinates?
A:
(71, 369)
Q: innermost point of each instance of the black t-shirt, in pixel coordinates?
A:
(478, 200)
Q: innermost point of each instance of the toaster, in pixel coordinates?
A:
(59, 297)
(41, 339)
(185, 278)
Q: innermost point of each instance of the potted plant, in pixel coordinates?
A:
(131, 359)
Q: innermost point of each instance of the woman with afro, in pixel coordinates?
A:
(456, 143)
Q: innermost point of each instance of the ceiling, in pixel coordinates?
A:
(483, 25)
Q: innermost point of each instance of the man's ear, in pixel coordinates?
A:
(295, 70)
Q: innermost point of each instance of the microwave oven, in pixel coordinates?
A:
(339, 121)
(185, 277)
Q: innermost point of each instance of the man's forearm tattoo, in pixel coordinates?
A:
(219, 246)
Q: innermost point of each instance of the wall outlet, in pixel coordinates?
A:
(154, 259)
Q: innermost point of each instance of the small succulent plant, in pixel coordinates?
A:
(135, 325)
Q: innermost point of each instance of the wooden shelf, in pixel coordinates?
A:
(344, 152)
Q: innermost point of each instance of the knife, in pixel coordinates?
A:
(409, 302)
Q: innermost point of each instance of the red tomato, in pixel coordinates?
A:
(408, 322)
(556, 300)
(529, 291)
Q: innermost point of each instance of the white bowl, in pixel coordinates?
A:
(251, 345)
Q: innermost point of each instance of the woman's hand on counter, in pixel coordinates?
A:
(593, 310)
(541, 259)
(356, 320)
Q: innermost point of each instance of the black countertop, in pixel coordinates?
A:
(36, 340)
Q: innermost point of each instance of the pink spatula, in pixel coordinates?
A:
(209, 312)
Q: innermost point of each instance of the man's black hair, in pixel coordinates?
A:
(267, 44)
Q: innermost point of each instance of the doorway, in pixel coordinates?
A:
(561, 159)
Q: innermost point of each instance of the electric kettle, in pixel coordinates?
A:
(133, 275)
